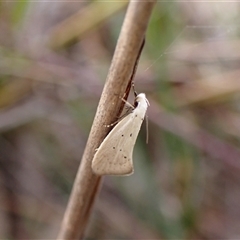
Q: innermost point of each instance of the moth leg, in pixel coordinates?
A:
(128, 104)
(120, 118)
(129, 110)
(133, 87)
(110, 125)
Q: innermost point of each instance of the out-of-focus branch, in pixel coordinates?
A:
(86, 19)
(86, 183)
(198, 137)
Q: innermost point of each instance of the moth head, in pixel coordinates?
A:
(141, 97)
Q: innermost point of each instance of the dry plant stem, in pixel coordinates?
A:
(86, 183)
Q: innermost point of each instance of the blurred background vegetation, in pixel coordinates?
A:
(54, 58)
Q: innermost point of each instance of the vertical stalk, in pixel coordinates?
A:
(86, 183)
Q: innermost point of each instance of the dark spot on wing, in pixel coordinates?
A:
(142, 119)
(125, 157)
(120, 150)
(114, 148)
(122, 135)
(136, 115)
(130, 134)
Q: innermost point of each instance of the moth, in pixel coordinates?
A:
(114, 155)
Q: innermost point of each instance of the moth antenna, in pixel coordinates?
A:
(147, 132)
(135, 92)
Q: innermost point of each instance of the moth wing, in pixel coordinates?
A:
(114, 156)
